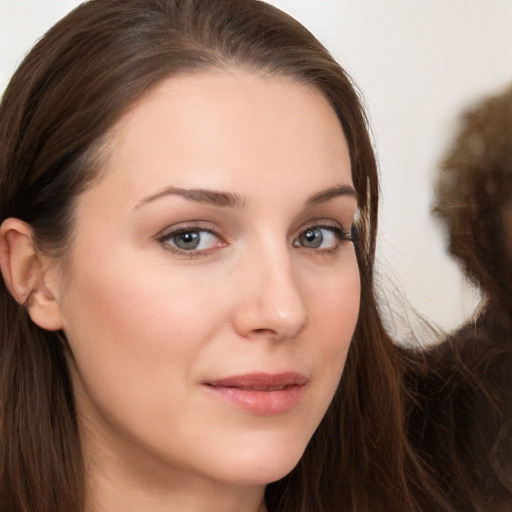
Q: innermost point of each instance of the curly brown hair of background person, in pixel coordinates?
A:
(473, 195)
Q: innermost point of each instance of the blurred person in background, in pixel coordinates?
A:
(462, 421)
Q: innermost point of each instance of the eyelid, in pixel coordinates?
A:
(325, 224)
(180, 227)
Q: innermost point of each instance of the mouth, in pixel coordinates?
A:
(261, 394)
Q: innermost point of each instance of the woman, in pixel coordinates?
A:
(175, 321)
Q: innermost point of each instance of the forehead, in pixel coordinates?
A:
(229, 129)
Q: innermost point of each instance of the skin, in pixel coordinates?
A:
(148, 325)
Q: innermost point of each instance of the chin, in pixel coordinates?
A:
(260, 465)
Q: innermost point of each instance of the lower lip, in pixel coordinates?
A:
(263, 403)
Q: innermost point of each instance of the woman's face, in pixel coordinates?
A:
(212, 289)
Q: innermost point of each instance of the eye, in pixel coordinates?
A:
(316, 238)
(325, 238)
(191, 241)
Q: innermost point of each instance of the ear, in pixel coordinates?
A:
(27, 275)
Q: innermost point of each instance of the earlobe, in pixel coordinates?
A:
(25, 274)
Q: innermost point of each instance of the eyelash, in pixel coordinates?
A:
(341, 235)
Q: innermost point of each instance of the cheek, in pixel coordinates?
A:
(135, 329)
(136, 344)
(135, 320)
(334, 310)
(334, 305)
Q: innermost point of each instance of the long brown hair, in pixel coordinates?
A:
(68, 92)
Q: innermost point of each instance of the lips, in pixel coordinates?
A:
(261, 393)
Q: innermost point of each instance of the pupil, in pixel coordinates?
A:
(189, 240)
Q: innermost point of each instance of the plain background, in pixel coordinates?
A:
(419, 64)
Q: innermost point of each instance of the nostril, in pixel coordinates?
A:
(264, 331)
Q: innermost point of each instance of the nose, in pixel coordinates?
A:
(270, 302)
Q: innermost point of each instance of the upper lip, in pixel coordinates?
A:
(260, 381)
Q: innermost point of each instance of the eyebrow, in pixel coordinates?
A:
(231, 200)
(198, 195)
(330, 193)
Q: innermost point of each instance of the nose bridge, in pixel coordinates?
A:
(273, 302)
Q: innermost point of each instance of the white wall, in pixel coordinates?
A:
(418, 63)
